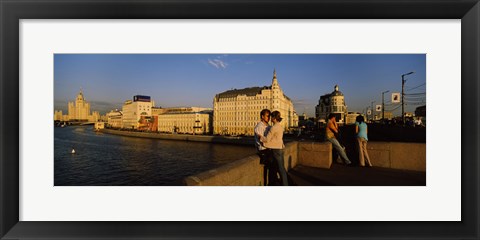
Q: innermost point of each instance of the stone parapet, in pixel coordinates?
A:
(398, 155)
(315, 154)
(290, 155)
(244, 172)
(249, 172)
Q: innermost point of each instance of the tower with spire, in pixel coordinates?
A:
(80, 109)
(274, 80)
(277, 92)
(246, 105)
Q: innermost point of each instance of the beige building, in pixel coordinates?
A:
(133, 110)
(58, 115)
(158, 110)
(78, 111)
(351, 117)
(99, 125)
(114, 119)
(95, 117)
(103, 118)
(189, 120)
(331, 103)
(236, 112)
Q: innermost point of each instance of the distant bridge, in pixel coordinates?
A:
(67, 123)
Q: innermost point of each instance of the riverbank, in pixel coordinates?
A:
(183, 137)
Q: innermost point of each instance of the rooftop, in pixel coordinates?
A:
(252, 91)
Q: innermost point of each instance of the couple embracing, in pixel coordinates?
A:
(269, 143)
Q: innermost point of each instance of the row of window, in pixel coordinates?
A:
(180, 125)
(256, 97)
(238, 118)
(245, 103)
(230, 124)
(333, 109)
(249, 108)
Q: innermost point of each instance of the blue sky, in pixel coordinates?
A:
(173, 80)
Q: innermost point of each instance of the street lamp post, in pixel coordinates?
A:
(383, 105)
(403, 95)
(371, 109)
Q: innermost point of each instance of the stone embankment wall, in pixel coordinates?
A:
(244, 172)
(183, 137)
(313, 154)
(398, 155)
(249, 172)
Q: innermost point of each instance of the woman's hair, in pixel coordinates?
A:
(331, 115)
(276, 115)
(360, 119)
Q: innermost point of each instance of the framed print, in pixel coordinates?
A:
(40, 39)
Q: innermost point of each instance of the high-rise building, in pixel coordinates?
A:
(133, 110)
(331, 103)
(79, 110)
(237, 111)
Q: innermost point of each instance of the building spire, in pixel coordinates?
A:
(80, 95)
(274, 80)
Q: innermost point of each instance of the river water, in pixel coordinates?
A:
(111, 160)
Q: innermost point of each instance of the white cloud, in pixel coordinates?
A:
(217, 63)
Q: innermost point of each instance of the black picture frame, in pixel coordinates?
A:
(13, 10)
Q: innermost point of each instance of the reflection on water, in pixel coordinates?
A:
(111, 160)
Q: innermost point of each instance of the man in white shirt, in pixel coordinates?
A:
(274, 140)
(265, 154)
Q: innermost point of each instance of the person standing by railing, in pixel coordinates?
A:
(361, 129)
(265, 154)
(331, 131)
(274, 141)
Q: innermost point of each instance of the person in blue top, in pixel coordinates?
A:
(361, 130)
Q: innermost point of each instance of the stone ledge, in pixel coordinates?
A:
(315, 154)
(244, 172)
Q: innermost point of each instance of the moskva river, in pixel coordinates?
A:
(110, 160)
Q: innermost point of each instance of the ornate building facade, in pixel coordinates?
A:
(331, 103)
(189, 120)
(236, 112)
(78, 111)
(114, 119)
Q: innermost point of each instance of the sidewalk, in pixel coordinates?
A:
(341, 175)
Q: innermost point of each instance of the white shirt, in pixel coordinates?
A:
(274, 138)
(260, 129)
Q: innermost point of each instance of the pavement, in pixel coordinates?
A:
(341, 175)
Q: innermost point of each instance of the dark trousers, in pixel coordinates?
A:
(269, 167)
(278, 158)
